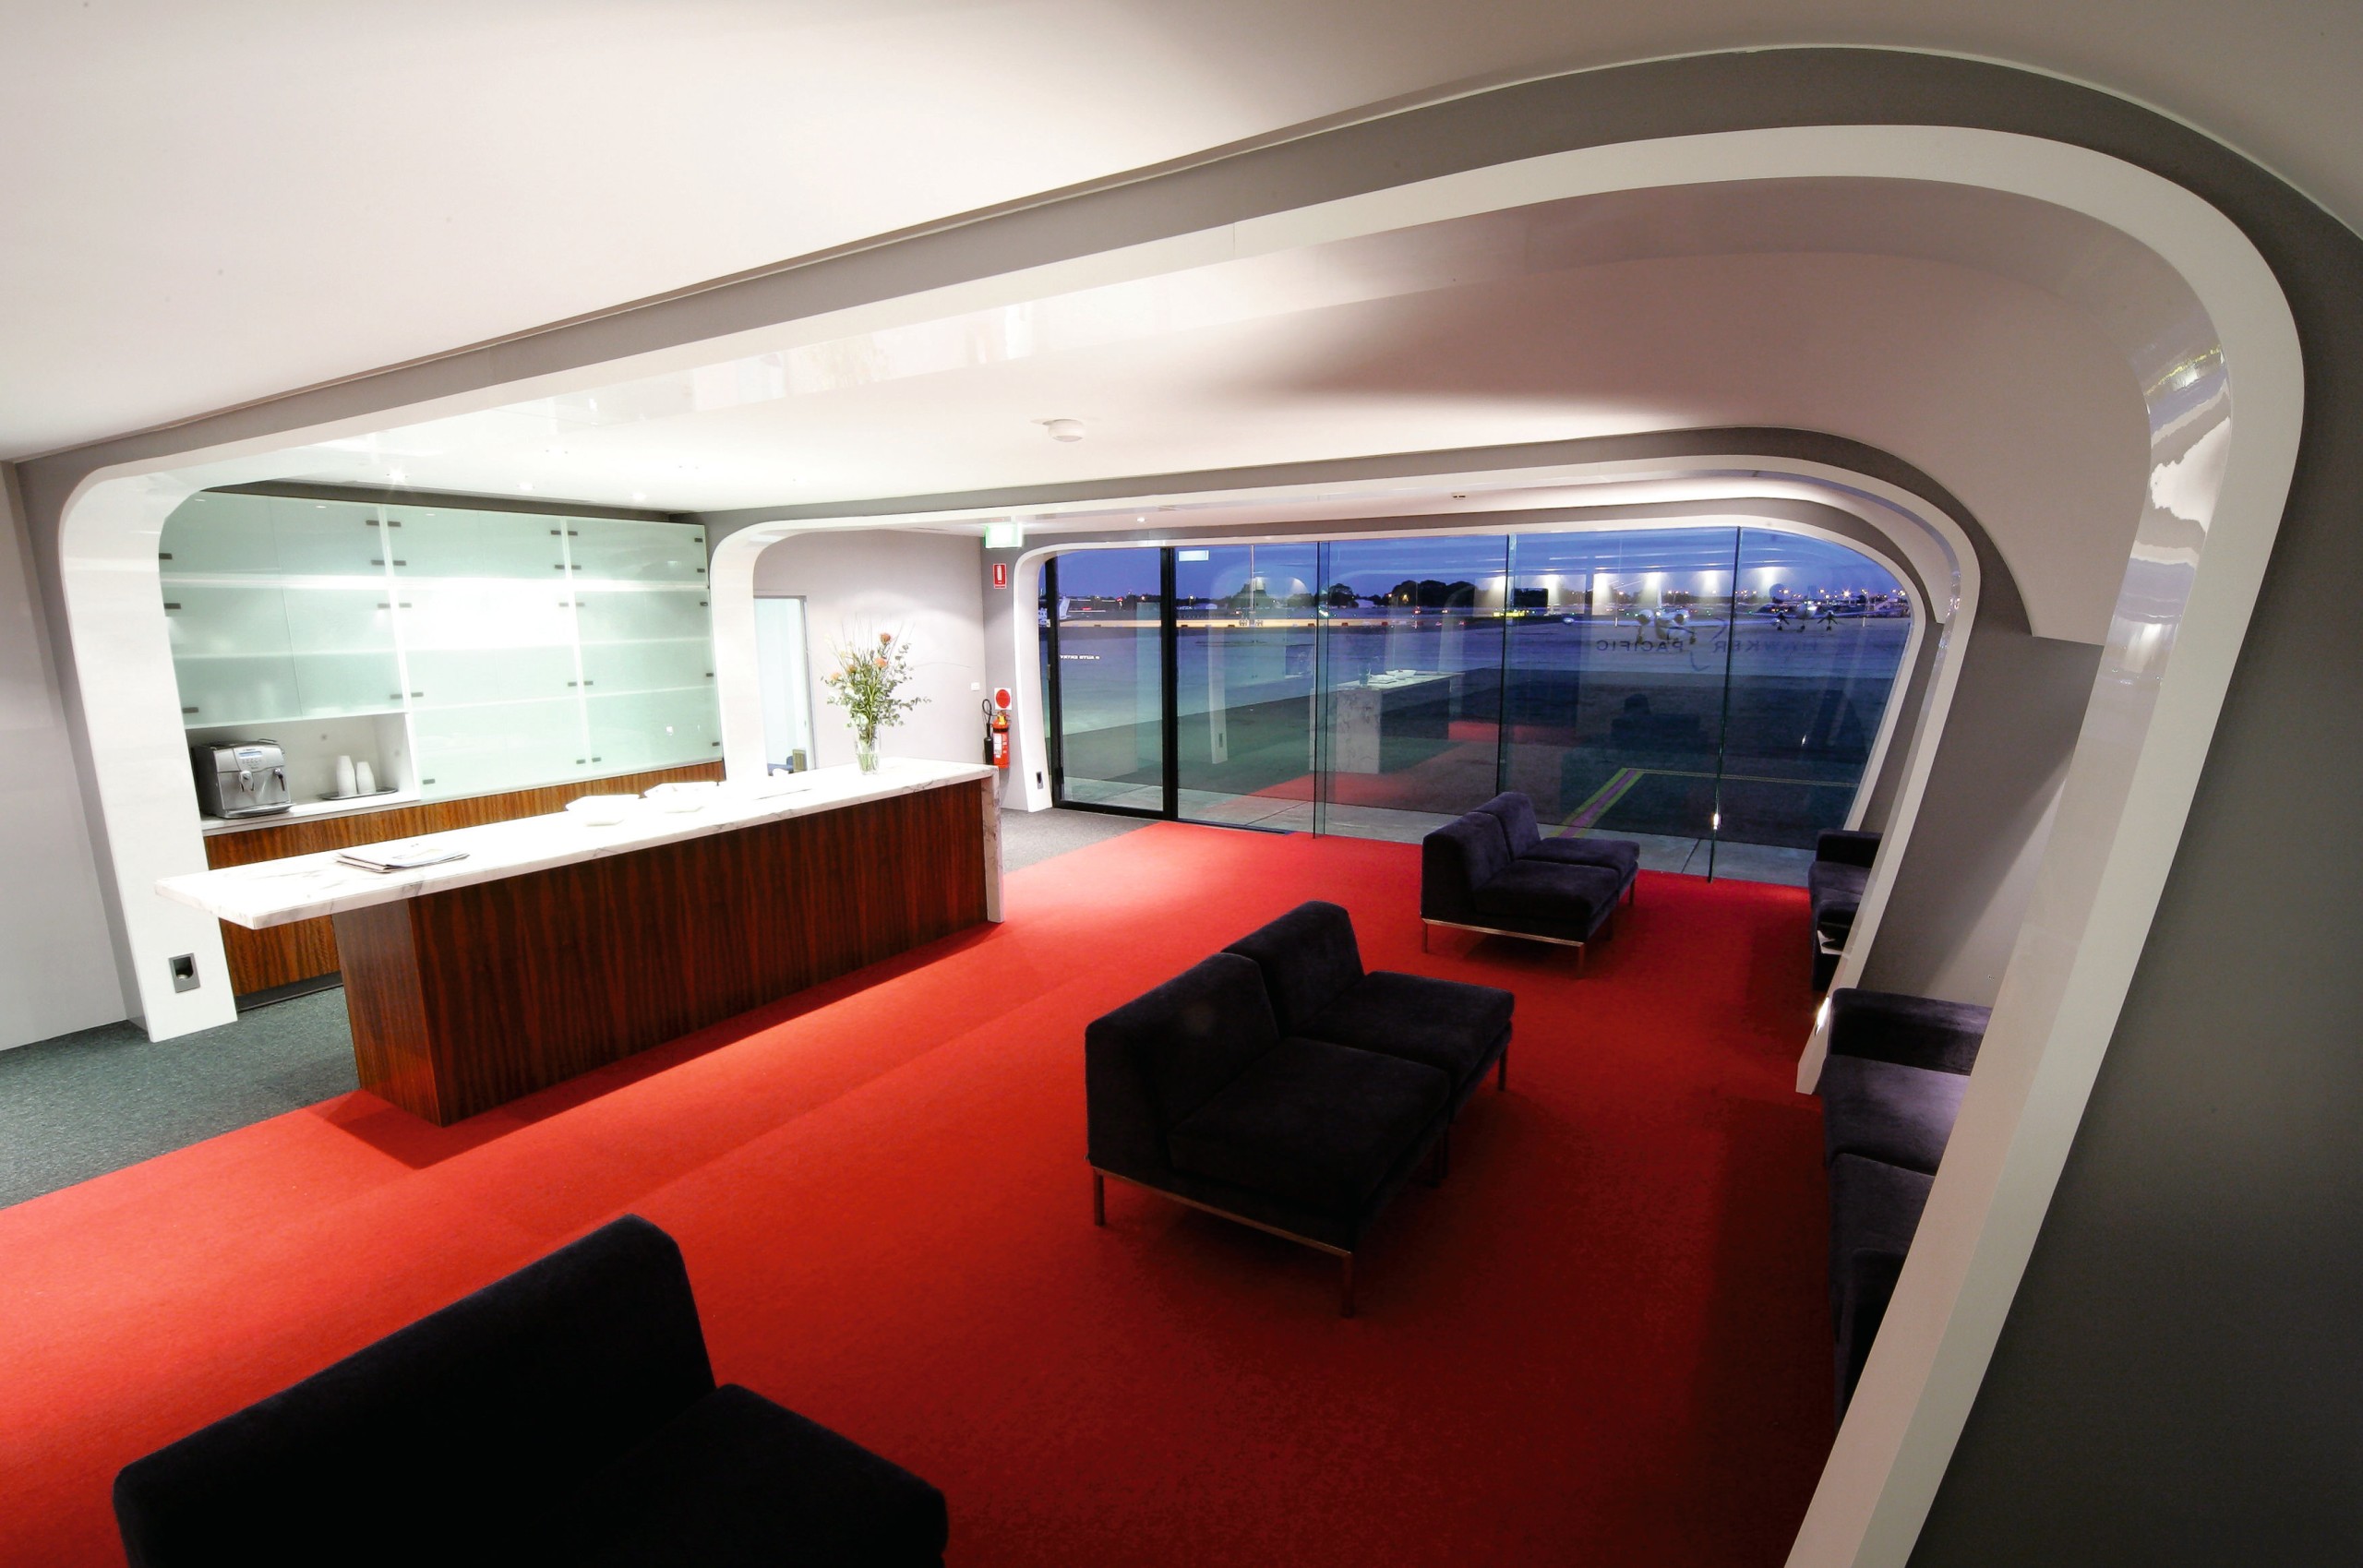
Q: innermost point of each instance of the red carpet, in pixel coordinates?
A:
(1603, 1341)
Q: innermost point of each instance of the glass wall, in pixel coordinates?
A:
(1712, 693)
(1244, 640)
(1107, 611)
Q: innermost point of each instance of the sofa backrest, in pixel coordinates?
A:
(1846, 847)
(1515, 812)
(1165, 1053)
(1942, 1036)
(1455, 860)
(495, 1406)
(1309, 959)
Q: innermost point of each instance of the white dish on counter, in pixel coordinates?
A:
(602, 810)
(690, 796)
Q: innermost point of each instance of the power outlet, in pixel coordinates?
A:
(184, 970)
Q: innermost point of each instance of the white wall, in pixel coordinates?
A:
(57, 970)
(922, 586)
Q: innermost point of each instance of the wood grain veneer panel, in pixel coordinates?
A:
(532, 979)
(285, 954)
(392, 1046)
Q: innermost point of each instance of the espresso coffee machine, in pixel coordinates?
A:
(247, 778)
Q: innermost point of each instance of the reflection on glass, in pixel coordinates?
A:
(1411, 681)
(1244, 635)
(1617, 647)
(1821, 632)
(1713, 693)
(1110, 677)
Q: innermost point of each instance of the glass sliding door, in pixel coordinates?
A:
(1410, 682)
(1614, 678)
(1108, 634)
(784, 664)
(1713, 693)
(1821, 639)
(1244, 640)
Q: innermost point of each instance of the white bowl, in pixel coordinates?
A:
(602, 810)
(688, 796)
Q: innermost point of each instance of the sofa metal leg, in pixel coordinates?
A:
(1098, 1199)
(1425, 931)
(1501, 1073)
(1346, 1287)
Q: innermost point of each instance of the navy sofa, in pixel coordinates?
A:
(1834, 884)
(566, 1414)
(1891, 1088)
(1470, 879)
(1313, 973)
(1523, 835)
(1279, 1084)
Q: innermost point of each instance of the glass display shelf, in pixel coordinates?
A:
(444, 542)
(633, 551)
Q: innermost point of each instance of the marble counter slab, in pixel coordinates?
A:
(303, 887)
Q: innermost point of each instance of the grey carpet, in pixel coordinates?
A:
(85, 1104)
(89, 1103)
(1028, 838)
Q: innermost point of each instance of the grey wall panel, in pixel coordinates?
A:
(1962, 888)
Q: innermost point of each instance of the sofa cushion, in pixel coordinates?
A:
(1874, 1210)
(1835, 892)
(1314, 1122)
(1515, 812)
(1621, 855)
(1455, 860)
(1882, 1111)
(1185, 1039)
(1542, 889)
(1912, 1031)
(1445, 1024)
(736, 1481)
(1309, 959)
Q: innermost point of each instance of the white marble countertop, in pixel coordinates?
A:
(302, 887)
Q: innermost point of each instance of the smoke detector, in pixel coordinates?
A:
(1064, 429)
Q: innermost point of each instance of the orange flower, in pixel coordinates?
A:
(885, 640)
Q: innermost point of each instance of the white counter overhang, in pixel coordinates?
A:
(305, 887)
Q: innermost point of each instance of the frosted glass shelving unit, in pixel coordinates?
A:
(507, 648)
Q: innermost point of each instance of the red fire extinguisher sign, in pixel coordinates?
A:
(1001, 574)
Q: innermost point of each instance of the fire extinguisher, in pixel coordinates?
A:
(997, 732)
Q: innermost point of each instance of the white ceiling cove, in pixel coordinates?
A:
(205, 205)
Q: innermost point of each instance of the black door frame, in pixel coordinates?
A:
(1169, 704)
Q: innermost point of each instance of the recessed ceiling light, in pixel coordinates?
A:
(1064, 429)
(524, 483)
(640, 495)
(396, 476)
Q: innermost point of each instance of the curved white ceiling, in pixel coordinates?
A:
(2000, 344)
(209, 204)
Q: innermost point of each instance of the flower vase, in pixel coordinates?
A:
(865, 750)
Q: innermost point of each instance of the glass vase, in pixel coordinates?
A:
(865, 750)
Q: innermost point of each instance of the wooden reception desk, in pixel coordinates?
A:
(558, 946)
